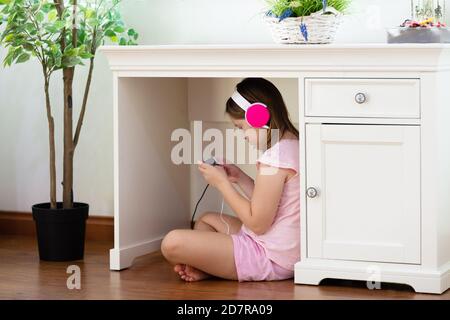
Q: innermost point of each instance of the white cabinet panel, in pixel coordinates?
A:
(368, 183)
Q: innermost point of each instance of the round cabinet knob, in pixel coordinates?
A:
(311, 192)
(360, 98)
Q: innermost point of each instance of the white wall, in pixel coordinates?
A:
(23, 124)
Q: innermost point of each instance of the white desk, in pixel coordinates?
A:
(374, 142)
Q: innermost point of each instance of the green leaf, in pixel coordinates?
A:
(47, 7)
(86, 55)
(107, 24)
(110, 33)
(89, 13)
(51, 29)
(40, 16)
(119, 29)
(9, 37)
(30, 27)
(59, 25)
(9, 57)
(71, 52)
(16, 52)
(28, 46)
(23, 58)
(81, 35)
(52, 15)
(68, 62)
(53, 50)
(132, 33)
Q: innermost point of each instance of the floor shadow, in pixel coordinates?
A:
(363, 284)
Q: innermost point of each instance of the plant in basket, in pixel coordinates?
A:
(305, 21)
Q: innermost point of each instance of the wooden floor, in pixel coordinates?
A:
(23, 276)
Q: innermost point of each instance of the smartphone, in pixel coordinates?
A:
(212, 161)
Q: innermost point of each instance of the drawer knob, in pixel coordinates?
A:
(311, 192)
(360, 98)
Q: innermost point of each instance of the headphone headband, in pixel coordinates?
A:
(240, 100)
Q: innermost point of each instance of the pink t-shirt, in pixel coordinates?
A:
(282, 241)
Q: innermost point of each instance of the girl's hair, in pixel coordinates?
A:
(262, 90)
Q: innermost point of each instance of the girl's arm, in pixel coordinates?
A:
(258, 213)
(239, 177)
(246, 184)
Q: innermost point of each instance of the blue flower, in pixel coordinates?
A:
(286, 14)
(325, 5)
(270, 14)
(304, 31)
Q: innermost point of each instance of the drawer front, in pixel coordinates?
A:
(352, 97)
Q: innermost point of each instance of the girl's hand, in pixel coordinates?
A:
(214, 175)
(233, 172)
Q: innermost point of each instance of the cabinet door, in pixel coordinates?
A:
(367, 205)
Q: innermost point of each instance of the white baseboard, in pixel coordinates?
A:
(423, 280)
(122, 258)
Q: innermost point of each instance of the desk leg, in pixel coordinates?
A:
(151, 193)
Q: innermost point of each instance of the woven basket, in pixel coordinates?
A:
(321, 27)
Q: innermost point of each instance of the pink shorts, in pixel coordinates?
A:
(252, 263)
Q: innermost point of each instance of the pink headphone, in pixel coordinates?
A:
(257, 114)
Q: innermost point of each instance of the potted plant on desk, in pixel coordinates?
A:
(304, 21)
(61, 35)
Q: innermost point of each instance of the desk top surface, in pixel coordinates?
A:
(277, 46)
(280, 57)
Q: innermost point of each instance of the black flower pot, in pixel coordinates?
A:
(60, 232)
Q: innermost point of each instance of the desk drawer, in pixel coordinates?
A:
(359, 97)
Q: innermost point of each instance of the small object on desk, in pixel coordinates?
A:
(427, 23)
(425, 31)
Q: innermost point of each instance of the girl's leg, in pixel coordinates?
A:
(211, 221)
(204, 253)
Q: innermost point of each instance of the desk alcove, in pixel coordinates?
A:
(374, 142)
(155, 195)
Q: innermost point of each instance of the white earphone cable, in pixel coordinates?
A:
(223, 220)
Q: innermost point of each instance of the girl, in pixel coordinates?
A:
(264, 239)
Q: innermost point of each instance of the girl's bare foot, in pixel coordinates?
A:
(179, 268)
(191, 274)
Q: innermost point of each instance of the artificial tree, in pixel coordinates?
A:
(61, 34)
